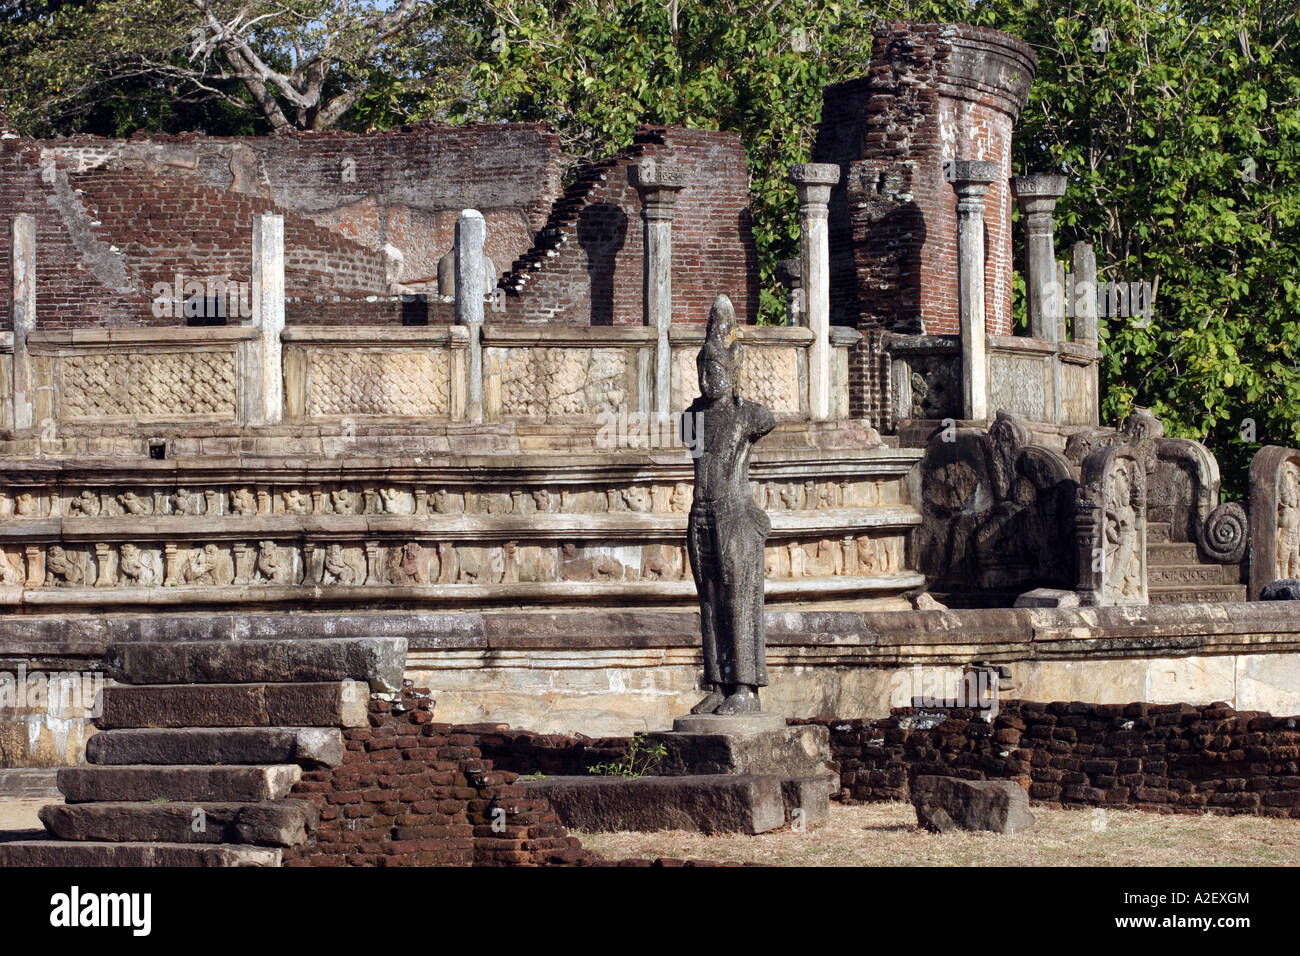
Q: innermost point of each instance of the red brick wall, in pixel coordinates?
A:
(933, 92)
(411, 792)
(594, 276)
(1173, 758)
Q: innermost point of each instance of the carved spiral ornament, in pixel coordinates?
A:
(1225, 533)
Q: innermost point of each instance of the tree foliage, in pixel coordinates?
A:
(238, 65)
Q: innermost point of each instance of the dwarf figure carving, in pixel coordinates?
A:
(404, 565)
(138, 568)
(273, 566)
(186, 502)
(296, 502)
(62, 570)
(726, 529)
(337, 568)
(85, 505)
(242, 502)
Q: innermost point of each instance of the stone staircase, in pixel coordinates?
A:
(200, 746)
(1177, 575)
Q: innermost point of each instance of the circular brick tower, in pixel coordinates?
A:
(934, 92)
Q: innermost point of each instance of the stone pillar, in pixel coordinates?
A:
(1082, 291)
(471, 233)
(1036, 196)
(971, 179)
(268, 316)
(22, 307)
(659, 186)
(813, 182)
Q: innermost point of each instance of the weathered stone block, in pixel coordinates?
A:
(340, 704)
(798, 751)
(949, 803)
(143, 783)
(377, 660)
(74, 854)
(305, 746)
(714, 803)
(286, 823)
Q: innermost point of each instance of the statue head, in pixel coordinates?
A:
(719, 360)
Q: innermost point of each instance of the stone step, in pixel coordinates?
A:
(284, 823)
(141, 783)
(714, 803)
(1180, 552)
(71, 853)
(333, 704)
(1187, 575)
(379, 661)
(1158, 532)
(1227, 594)
(29, 783)
(794, 751)
(306, 746)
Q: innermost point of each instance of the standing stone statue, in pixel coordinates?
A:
(727, 530)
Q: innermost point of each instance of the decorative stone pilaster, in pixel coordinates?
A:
(659, 186)
(1083, 293)
(22, 307)
(813, 182)
(1037, 195)
(971, 179)
(267, 380)
(471, 233)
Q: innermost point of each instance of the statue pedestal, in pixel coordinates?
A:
(739, 724)
(753, 744)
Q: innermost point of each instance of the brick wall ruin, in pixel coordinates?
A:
(934, 92)
(370, 216)
(1168, 758)
(412, 792)
(586, 266)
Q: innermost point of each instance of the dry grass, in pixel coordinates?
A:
(885, 834)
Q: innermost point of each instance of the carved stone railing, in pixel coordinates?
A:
(538, 371)
(1042, 382)
(112, 376)
(331, 374)
(774, 373)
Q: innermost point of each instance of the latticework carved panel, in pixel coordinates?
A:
(564, 381)
(769, 376)
(149, 385)
(401, 383)
(1019, 386)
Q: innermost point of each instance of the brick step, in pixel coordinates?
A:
(376, 660)
(71, 853)
(141, 783)
(1226, 594)
(1178, 552)
(284, 823)
(306, 746)
(333, 704)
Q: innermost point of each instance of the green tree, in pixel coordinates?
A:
(596, 69)
(114, 66)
